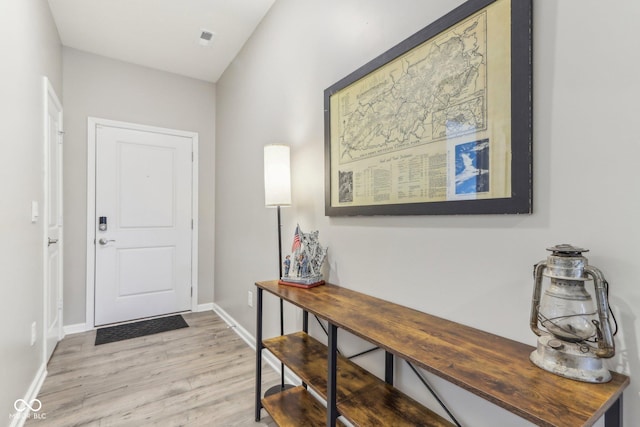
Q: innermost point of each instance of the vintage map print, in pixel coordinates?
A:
(433, 124)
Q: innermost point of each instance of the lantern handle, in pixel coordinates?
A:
(535, 300)
(606, 347)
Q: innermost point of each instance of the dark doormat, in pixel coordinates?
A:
(139, 329)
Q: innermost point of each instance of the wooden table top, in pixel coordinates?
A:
(495, 368)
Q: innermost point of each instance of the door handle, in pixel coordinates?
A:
(104, 241)
(52, 241)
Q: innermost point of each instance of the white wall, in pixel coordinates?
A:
(100, 87)
(30, 49)
(476, 270)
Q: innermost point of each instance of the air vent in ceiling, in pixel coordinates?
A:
(206, 37)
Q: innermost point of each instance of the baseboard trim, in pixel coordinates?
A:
(78, 328)
(19, 418)
(205, 307)
(242, 332)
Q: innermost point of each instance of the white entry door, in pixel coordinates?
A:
(52, 221)
(144, 202)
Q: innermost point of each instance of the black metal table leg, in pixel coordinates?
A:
(388, 367)
(305, 329)
(613, 416)
(259, 355)
(332, 411)
(305, 321)
(282, 386)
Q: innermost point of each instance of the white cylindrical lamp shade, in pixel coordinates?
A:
(277, 175)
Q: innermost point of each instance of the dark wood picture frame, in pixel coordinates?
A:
(520, 199)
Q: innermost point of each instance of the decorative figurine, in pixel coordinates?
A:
(308, 256)
(287, 265)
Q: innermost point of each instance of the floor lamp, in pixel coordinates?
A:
(277, 192)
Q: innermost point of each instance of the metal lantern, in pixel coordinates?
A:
(574, 331)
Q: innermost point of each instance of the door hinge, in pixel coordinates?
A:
(192, 158)
(192, 224)
(191, 290)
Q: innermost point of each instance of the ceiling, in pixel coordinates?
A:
(161, 34)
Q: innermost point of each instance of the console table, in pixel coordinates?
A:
(492, 367)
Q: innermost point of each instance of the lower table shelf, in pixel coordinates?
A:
(295, 407)
(384, 405)
(361, 397)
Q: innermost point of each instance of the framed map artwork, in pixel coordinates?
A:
(440, 123)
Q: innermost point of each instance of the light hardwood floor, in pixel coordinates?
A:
(203, 375)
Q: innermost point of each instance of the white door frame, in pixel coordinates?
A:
(50, 95)
(92, 124)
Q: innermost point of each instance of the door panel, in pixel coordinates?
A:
(147, 175)
(134, 281)
(143, 258)
(53, 222)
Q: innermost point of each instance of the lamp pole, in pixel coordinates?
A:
(277, 187)
(279, 245)
(282, 386)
